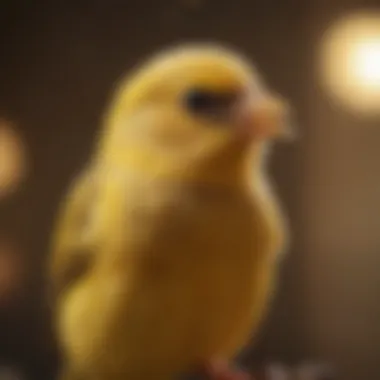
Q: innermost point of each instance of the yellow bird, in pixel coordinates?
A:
(166, 249)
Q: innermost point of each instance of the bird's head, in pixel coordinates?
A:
(194, 103)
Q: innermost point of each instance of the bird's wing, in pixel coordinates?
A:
(71, 255)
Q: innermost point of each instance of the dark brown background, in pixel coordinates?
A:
(58, 63)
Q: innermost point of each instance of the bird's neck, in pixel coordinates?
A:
(231, 165)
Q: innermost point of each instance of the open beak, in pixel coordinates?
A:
(263, 118)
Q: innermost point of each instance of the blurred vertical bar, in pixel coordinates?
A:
(341, 213)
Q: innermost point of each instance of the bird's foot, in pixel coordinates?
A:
(221, 370)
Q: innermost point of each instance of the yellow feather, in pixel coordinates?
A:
(182, 232)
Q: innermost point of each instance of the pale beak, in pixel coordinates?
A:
(264, 118)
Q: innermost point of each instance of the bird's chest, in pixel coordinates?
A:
(187, 257)
(190, 227)
(196, 241)
(184, 232)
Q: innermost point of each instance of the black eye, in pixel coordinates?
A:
(209, 103)
(200, 101)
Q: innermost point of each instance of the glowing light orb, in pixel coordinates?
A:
(350, 62)
(12, 159)
(367, 63)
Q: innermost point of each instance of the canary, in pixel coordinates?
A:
(166, 248)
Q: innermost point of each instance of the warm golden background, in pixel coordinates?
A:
(58, 63)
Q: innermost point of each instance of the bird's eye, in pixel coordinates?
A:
(205, 102)
(200, 101)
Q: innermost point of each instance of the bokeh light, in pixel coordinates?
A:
(350, 62)
(12, 159)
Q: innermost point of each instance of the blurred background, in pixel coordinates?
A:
(59, 61)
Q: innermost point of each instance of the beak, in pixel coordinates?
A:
(264, 118)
